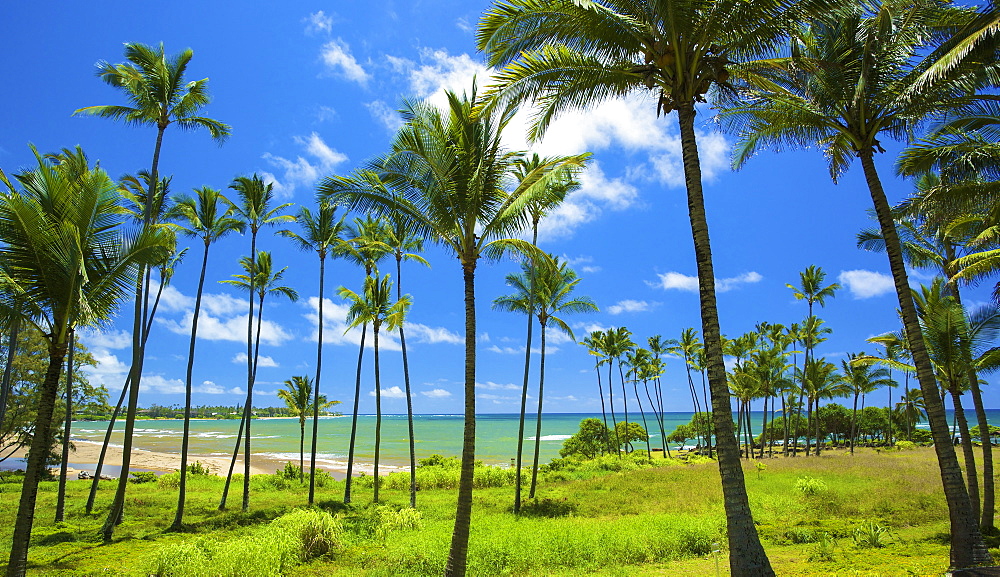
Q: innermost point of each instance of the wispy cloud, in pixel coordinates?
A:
(436, 393)
(337, 57)
(677, 281)
(304, 172)
(262, 360)
(628, 306)
(318, 22)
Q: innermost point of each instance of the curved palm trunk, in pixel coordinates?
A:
(524, 402)
(888, 412)
(319, 372)
(658, 415)
(642, 413)
(17, 565)
(854, 422)
(621, 376)
(302, 449)
(378, 411)
(232, 461)
(763, 429)
(458, 554)
(248, 408)
(354, 418)
(967, 547)
(695, 404)
(971, 472)
(746, 555)
(786, 418)
(818, 443)
(188, 385)
(5, 385)
(600, 390)
(61, 497)
(538, 416)
(611, 403)
(409, 395)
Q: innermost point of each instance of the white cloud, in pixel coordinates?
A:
(302, 171)
(865, 284)
(337, 56)
(393, 392)
(111, 339)
(335, 330)
(226, 329)
(596, 193)
(520, 350)
(325, 113)
(436, 393)
(678, 281)
(628, 306)
(433, 335)
(463, 25)
(590, 269)
(491, 386)
(211, 388)
(385, 115)
(318, 22)
(262, 360)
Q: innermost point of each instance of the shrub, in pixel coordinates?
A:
(317, 531)
(810, 486)
(185, 559)
(871, 535)
(197, 468)
(436, 460)
(142, 477)
(799, 535)
(824, 548)
(380, 520)
(547, 507)
(169, 480)
(906, 445)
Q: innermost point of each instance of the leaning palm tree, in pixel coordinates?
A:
(544, 289)
(255, 210)
(446, 174)
(320, 233)
(849, 81)
(65, 261)
(208, 218)
(375, 306)
(259, 279)
(297, 396)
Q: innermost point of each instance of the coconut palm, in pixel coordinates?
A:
(375, 306)
(687, 348)
(401, 241)
(821, 381)
(206, 217)
(297, 396)
(543, 290)
(255, 210)
(863, 379)
(850, 81)
(321, 232)
(367, 235)
(67, 424)
(64, 262)
(259, 279)
(595, 347)
(445, 175)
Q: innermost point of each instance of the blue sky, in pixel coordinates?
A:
(311, 90)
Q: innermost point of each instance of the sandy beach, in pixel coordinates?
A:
(88, 453)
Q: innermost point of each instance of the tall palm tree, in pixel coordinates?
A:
(821, 381)
(67, 425)
(207, 217)
(863, 379)
(687, 348)
(544, 289)
(320, 233)
(595, 347)
(657, 346)
(255, 210)
(259, 279)
(367, 235)
(445, 175)
(375, 306)
(401, 241)
(850, 81)
(64, 262)
(297, 396)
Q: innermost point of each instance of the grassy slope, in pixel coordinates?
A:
(659, 521)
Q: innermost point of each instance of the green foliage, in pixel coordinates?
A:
(921, 436)
(547, 507)
(871, 535)
(594, 439)
(994, 433)
(197, 468)
(142, 477)
(379, 521)
(905, 445)
(317, 531)
(810, 486)
(444, 474)
(436, 460)
(290, 472)
(824, 549)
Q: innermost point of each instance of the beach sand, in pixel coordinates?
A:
(88, 453)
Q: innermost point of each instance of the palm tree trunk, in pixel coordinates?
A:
(538, 416)
(611, 402)
(642, 413)
(524, 399)
(378, 412)
(967, 547)
(5, 384)
(695, 405)
(458, 554)
(17, 565)
(746, 555)
(763, 429)
(971, 472)
(785, 417)
(319, 373)
(708, 415)
(248, 408)
(818, 443)
(409, 396)
(188, 386)
(656, 415)
(854, 422)
(621, 376)
(302, 449)
(354, 418)
(600, 390)
(232, 462)
(104, 447)
(61, 497)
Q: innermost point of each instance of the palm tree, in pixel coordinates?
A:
(208, 218)
(367, 249)
(544, 289)
(810, 334)
(595, 347)
(639, 361)
(448, 170)
(401, 241)
(260, 279)
(821, 381)
(863, 380)
(158, 96)
(848, 82)
(657, 346)
(297, 395)
(617, 342)
(255, 210)
(375, 306)
(687, 348)
(320, 233)
(64, 262)
(67, 425)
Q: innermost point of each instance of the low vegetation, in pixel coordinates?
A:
(876, 513)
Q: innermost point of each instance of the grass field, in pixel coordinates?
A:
(876, 513)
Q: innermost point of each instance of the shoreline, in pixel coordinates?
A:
(88, 453)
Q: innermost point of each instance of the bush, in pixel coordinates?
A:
(871, 535)
(547, 507)
(317, 531)
(905, 445)
(380, 520)
(139, 477)
(185, 559)
(290, 472)
(197, 468)
(810, 486)
(436, 460)
(824, 548)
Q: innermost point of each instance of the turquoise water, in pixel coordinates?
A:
(278, 439)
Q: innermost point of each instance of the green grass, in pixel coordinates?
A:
(663, 520)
